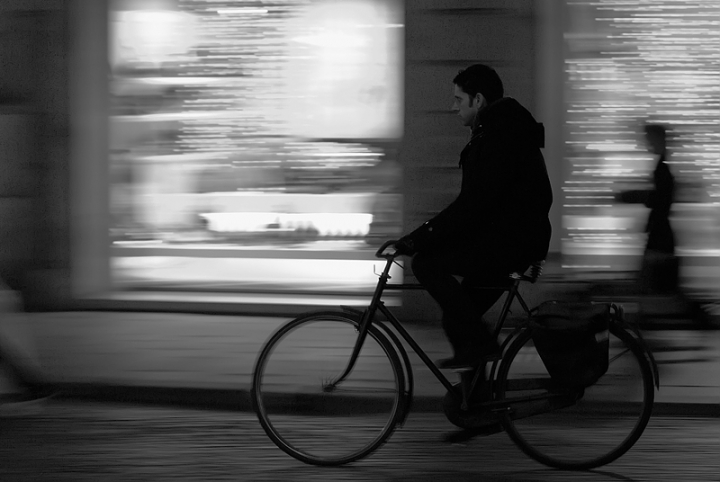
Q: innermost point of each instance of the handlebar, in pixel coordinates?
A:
(381, 252)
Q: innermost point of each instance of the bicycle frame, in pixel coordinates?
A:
(368, 317)
(515, 392)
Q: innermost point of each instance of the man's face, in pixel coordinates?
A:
(467, 107)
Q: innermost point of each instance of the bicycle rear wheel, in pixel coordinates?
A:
(300, 408)
(576, 429)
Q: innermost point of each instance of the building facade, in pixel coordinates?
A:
(250, 156)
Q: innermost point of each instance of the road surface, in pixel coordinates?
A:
(91, 441)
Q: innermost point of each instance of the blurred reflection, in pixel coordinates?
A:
(659, 270)
(628, 62)
(238, 127)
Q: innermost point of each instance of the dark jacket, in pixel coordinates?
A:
(660, 233)
(660, 236)
(505, 197)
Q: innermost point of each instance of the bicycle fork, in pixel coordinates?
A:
(362, 329)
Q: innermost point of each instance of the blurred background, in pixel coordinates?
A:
(255, 153)
(253, 145)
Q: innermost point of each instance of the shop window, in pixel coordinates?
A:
(630, 63)
(253, 145)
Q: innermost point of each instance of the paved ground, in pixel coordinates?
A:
(208, 359)
(176, 357)
(76, 441)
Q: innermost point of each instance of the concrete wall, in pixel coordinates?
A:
(88, 147)
(53, 148)
(443, 37)
(17, 155)
(33, 149)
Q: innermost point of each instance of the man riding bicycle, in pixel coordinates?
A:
(497, 225)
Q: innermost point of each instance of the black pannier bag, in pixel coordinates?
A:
(572, 339)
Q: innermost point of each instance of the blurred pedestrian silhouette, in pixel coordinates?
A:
(659, 270)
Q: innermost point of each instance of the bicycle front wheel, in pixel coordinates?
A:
(302, 408)
(574, 428)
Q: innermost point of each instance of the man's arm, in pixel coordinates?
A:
(488, 176)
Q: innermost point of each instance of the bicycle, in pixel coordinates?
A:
(330, 387)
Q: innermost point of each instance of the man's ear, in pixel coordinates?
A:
(480, 100)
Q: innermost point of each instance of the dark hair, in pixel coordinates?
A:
(657, 130)
(481, 79)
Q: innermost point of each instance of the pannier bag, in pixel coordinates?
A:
(572, 339)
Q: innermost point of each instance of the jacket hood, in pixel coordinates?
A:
(508, 116)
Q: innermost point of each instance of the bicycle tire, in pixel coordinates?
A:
(301, 416)
(586, 428)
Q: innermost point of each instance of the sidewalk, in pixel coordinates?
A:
(207, 360)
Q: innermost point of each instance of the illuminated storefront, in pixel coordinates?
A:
(256, 157)
(627, 63)
(253, 145)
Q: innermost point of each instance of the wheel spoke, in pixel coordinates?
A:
(616, 357)
(600, 422)
(302, 409)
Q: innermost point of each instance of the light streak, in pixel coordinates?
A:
(633, 61)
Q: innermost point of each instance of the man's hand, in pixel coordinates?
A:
(418, 240)
(405, 246)
(635, 196)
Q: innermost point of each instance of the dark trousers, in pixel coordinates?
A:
(462, 306)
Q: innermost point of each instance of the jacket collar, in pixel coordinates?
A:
(483, 115)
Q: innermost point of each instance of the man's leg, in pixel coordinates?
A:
(462, 312)
(486, 290)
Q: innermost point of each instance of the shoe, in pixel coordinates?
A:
(488, 352)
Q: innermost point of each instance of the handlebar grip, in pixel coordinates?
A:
(386, 245)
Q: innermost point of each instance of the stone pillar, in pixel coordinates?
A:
(17, 122)
(16, 193)
(88, 153)
(35, 210)
(54, 115)
(20, 140)
(550, 106)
